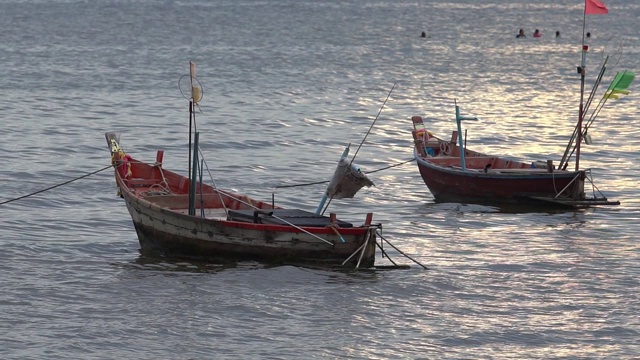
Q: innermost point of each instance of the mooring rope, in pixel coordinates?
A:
(326, 181)
(400, 251)
(56, 186)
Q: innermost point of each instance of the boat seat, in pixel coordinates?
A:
(293, 216)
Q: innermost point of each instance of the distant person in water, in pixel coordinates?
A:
(521, 34)
(557, 33)
(588, 35)
(537, 33)
(424, 34)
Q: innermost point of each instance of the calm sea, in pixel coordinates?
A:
(287, 85)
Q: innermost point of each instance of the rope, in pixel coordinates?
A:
(163, 190)
(204, 161)
(391, 166)
(163, 186)
(55, 186)
(326, 181)
(400, 251)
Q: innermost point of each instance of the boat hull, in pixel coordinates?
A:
(222, 226)
(174, 234)
(448, 184)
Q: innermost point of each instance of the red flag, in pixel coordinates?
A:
(595, 7)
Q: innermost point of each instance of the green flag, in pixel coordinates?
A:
(619, 85)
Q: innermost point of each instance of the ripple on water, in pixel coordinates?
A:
(283, 96)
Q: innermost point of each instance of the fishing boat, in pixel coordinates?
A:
(454, 173)
(180, 216)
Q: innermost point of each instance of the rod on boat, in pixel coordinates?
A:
(571, 147)
(338, 174)
(194, 176)
(373, 123)
(192, 114)
(345, 153)
(581, 107)
(592, 8)
(459, 119)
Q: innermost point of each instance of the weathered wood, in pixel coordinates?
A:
(494, 180)
(165, 228)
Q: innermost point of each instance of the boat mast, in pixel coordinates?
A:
(583, 65)
(591, 7)
(193, 161)
(192, 73)
(459, 118)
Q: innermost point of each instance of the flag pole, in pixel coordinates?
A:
(583, 65)
(591, 7)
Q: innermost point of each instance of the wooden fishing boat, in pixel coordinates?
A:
(181, 217)
(454, 173)
(225, 226)
(469, 176)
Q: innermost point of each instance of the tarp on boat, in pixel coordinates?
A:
(347, 180)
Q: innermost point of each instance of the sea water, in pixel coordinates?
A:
(286, 86)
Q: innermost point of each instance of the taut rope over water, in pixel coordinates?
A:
(326, 181)
(57, 185)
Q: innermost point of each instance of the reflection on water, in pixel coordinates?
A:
(162, 265)
(500, 208)
(168, 265)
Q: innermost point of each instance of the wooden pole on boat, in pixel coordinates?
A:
(192, 73)
(354, 253)
(194, 176)
(190, 122)
(200, 174)
(583, 65)
(372, 124)
(364, 248)
(460, 143)
(591, 7)
(345, 153)
(463, 163)
(568, 153)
